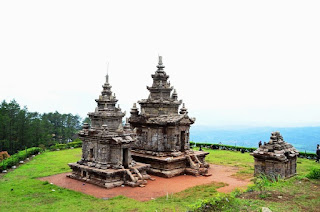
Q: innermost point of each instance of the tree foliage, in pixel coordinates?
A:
(20, 129)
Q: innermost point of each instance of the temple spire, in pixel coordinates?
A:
(174, 95)
(160, 60)
(160, 65)
(107, 76)
(183, 110)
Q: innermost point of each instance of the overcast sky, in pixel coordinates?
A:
(234, 63)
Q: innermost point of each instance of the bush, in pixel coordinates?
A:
(262, 181)
(314, 174)
(16, 158)
(307, 155)
(75, 144)
(244, 149)
(42, 146)
(223, 147)
(53, 148)
(4, 155)
(221, 202)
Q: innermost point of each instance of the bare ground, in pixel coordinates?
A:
(157, 188)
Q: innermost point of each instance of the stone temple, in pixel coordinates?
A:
(106, 156)
(275, 158)
(163, 132)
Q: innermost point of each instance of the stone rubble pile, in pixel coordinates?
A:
(276, 149)
(275, 158)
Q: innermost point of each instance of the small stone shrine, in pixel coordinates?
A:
(163, 133)
(276, 157)
(106, 156)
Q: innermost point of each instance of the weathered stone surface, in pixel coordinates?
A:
(265, 209)
(276, 157)
(106, 156)
(162, 131)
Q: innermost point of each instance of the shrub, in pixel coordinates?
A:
(61, 146)
(244, 149)
(16, 158)
(75, 144)
(53, 148)
(314, 174)
(223, 147)
(42, 146)
(221, 202)
(263, 181)
(307, 155)
(4, 155)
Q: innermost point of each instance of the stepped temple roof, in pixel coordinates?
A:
(276, 149)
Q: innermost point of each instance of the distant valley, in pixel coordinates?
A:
(302, 138)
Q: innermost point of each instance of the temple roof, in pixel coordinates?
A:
(120, 137)
(157, 101)
(123, 139)
(162, 105)
(276, 149)
(106, 93)
(170, 119)
(161, 89)
(106, 110)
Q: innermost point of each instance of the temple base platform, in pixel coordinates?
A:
(173, 163)
(110, 178)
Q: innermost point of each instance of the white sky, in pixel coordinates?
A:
(249, 63)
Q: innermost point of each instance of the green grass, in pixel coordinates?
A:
(31, 194)
(232, 158)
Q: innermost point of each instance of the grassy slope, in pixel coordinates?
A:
(30, 194)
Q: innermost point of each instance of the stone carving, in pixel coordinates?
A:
(163, 133)
(276, 157)
(106, 156)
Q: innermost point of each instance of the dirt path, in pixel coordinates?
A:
(159, 187)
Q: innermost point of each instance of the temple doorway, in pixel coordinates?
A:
(125, 158)
(183, 140)
(91, 154)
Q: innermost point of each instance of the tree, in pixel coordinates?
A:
(20, 129)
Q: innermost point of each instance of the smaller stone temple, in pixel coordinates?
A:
(275, 158)
(163, 131)
(106, 156)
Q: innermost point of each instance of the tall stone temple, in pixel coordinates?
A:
(163, 132)
(106, 156)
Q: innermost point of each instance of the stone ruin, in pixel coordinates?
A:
(163, 133)
(106, 156)
(275, 158)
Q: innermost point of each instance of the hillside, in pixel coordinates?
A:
(20, 190)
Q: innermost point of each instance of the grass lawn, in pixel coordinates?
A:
(30, 194)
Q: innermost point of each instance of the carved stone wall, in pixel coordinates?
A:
(162, 139)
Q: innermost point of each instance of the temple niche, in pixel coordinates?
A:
(163, 132)
(106, 156)
(275, 158)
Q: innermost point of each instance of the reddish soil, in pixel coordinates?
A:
(157, 188)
